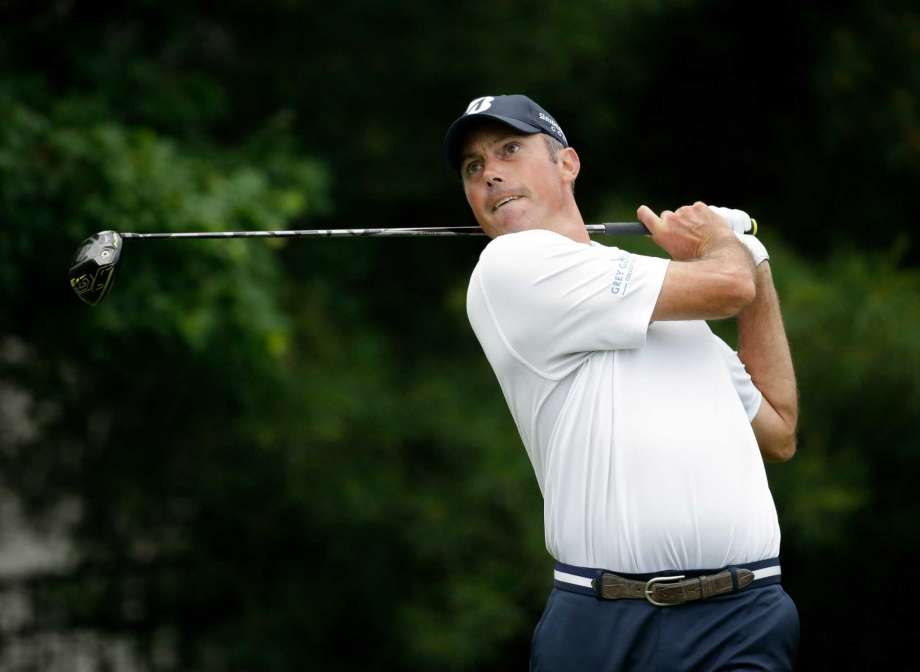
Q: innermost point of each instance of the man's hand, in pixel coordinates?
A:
(711, 275)
(687, 233)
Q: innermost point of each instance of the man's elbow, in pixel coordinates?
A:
(738, 290)
(745, 292)
(780, 449)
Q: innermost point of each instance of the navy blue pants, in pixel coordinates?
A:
(755, 629)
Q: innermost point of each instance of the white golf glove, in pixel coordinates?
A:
(754, 246)
(740, 222)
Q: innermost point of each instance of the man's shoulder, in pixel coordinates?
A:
(528, 237)
(529, 244)
(508, 255)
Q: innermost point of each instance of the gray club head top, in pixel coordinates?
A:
(92, 272)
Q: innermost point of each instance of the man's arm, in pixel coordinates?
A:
(764, 349)
(711, 275)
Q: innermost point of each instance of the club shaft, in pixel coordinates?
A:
(608, 228)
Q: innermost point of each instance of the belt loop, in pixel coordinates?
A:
(734, 573)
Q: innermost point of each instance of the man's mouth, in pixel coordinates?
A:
(504, 201)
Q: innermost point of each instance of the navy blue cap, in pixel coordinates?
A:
(517, 111)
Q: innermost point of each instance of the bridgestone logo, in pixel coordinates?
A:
(479, 105)
(554, 127)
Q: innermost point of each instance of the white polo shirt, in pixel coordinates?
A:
(639, 434)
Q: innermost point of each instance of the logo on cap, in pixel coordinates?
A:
(553, 126)
(480, 105)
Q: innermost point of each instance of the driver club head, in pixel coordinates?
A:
(92, 272)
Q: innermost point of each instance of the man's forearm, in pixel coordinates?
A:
(714, 286)
(764, 349)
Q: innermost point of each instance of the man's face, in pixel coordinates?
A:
(509, 179)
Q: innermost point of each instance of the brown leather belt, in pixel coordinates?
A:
(667, 588)
(665, 591)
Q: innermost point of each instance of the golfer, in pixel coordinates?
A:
(646, 432)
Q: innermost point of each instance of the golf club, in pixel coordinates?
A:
(92, 272)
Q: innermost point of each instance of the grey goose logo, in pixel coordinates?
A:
(622, 275)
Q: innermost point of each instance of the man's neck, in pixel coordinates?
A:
(569, 224)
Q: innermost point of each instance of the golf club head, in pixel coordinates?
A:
(92, 272)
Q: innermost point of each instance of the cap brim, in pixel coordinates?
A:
(456, 134)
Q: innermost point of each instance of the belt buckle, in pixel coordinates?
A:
(649, 587)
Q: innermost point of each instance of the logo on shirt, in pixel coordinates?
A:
(622, 275)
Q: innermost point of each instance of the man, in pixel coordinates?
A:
(646, 432)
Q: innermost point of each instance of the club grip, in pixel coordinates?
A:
(625, 228)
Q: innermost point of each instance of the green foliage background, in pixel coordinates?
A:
(292, 455)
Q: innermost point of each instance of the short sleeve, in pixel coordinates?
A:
(750, 396)
(554, 299)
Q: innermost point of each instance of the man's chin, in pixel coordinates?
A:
(511, 221)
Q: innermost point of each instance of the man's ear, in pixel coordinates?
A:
(569, 163)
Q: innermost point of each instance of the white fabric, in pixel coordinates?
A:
(565, 577)
(755, 247)
(639, 441)
(767, 572)
(750, 396)
(738, 220)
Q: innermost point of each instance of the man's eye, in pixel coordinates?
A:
(472, 167)
(512, 147)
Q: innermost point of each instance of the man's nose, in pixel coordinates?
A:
(491, 176)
